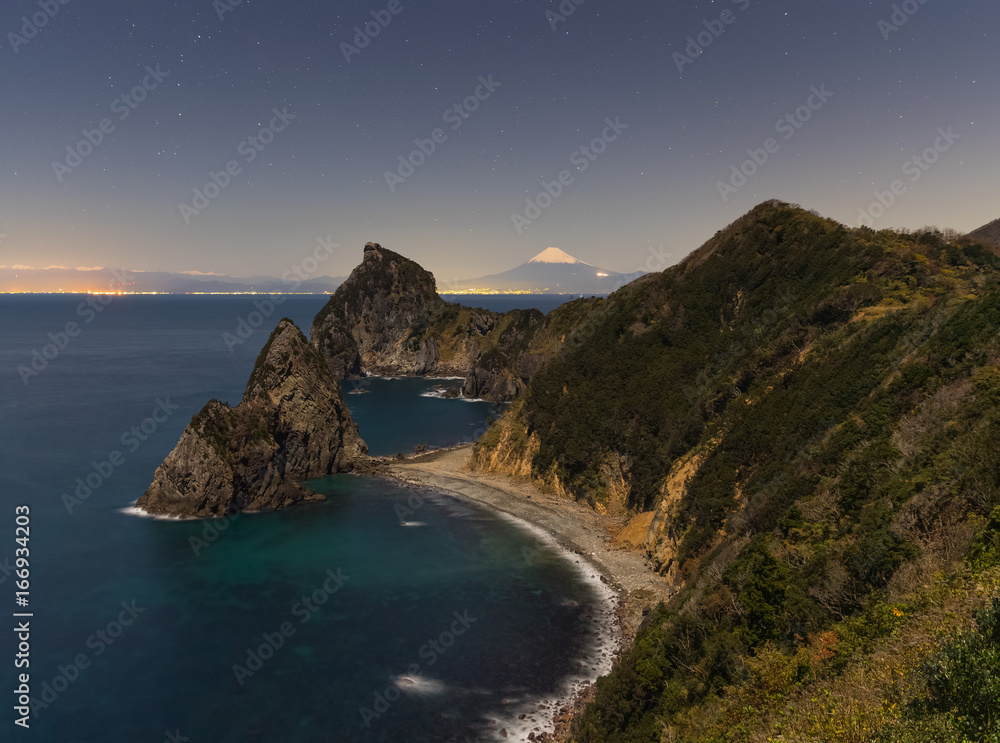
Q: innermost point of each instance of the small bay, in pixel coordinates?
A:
(382, 592)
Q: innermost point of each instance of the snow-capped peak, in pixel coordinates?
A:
(554, 255)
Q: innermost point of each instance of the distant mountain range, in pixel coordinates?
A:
(989, 234)
(553, 271)
(62, 279)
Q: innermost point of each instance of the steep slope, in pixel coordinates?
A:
(813, 413)
(291, 425)
(387, 319)
(988, 234)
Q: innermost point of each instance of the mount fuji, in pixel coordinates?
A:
(553, 271)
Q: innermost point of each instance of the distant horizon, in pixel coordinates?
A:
(483, 293)
(218, 274)
(230, 284)
(676, 258)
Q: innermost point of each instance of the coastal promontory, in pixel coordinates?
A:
(388, 319)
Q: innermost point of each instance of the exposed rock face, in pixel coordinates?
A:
(366, 319)
(663, 536)
(387, 319)
(292, 425)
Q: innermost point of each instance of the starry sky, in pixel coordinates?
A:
(688, 116)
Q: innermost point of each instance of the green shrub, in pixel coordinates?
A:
(963, 680)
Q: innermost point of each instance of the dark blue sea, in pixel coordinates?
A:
(382, 614)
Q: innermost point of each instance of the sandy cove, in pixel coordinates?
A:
(575, 527)
(598, 539)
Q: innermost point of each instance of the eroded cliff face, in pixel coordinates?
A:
(365, 323)
(291, 425)
(665, 532)
(387, 319)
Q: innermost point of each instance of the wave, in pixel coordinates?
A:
(139, 513)
(524, 715)
(420, 686)
(409, 376)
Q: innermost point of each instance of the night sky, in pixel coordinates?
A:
(552, 84)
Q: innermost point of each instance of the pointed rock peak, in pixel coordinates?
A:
(383, 272)
(554, 255)
(286, 354)
(376, 254)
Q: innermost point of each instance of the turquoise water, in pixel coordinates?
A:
(363, 604)
(396, 415)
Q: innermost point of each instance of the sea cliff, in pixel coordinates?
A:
(292, 425)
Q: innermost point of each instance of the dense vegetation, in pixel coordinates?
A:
(843, 389)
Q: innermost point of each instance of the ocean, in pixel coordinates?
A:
(385, 613)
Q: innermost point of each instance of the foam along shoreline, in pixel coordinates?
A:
(579, 535)
(440, 395)
(134, 510)
(404, 376)
(522, 715)
(537, 715)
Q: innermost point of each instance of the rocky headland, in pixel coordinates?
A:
(387, 319)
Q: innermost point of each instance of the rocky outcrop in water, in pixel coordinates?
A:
(366, 322)
(388, 319)
(292, 425)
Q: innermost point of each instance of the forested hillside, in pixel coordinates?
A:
(814, 414)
